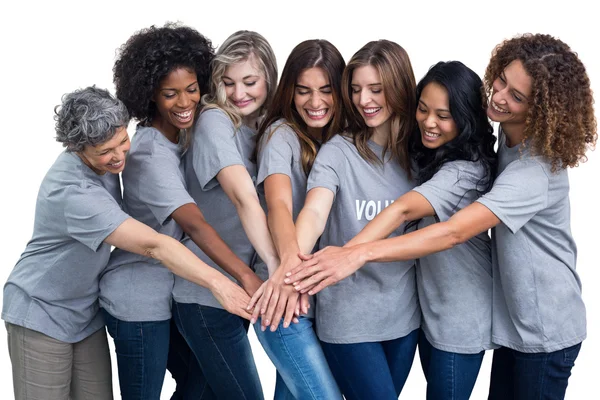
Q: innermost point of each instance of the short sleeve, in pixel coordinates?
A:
(91, 214)
(327, 169)
(161, 185)
(450, 186)
(214, 147)
(276, 154)
(519, 192)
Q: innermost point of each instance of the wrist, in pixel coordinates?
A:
(363, 253)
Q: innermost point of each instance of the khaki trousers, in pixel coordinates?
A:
(47, 369)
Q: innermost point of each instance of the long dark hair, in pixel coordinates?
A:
(315, 53)
(475, 139)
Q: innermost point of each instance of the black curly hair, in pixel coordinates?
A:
(149, 56)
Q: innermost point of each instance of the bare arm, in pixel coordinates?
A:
(238, 186)
(313, 218)
(192, 221)
(408, 207)
(332, 264)
(135, 237)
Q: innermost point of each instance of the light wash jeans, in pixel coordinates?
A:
(303, 372)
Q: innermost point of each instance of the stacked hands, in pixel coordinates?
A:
(285, 294)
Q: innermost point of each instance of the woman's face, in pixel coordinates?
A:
(245, 86)
(368, 96)
(108, 156)
(433, 117)
(511, 96)
(313, 98)
(176, 98)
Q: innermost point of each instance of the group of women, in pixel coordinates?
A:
(343, 212)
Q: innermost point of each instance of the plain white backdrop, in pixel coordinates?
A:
(50, 48)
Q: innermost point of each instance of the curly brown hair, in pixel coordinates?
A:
(560, 123)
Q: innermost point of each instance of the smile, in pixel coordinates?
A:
(431, 135)
(243, 103)
(369, 112)
(118, 164)
(184, 117)
(317, 114)
(498, 109)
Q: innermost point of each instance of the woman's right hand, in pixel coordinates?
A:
(232, 297)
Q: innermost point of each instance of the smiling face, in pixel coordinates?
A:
(245, 86)
(176, 98)
(108, 156)
(313, 98)
(368, 96)
(433, 117)
(510, 98)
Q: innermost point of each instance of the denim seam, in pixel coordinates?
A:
(219, 351)
(452, 376)
(298, 369)
(141, 328)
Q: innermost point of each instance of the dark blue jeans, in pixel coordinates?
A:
(373, 370)
(450, 376)
(184, 368)
(142, 349)
(524, 376)
(220, 343)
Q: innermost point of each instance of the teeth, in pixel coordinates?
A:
(117, 164)
(371, 110)
(432, 135)
(495, 107)
(185, 114)
(317, 113)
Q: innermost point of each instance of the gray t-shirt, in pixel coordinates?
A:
(134, 287)
(281, 154)
(379, 301)
(53, 289)
(537, 305)
(455, 286)
(216, 144)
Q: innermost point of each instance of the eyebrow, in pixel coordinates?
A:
(191, 84)
(370, 84)
(306, 87)
(246, 77)
(437, 109)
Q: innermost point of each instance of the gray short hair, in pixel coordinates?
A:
(89, 116)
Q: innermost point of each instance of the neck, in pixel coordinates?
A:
(382, 133)
(169, 131)
(514, 133)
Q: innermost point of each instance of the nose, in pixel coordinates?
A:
(239, 93)
(184, 100)
(364, 98)
(315, 99)
(499, 96)
(430, 121)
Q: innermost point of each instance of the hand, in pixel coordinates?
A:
(326, 267)
(304, 304)
(232, 297)
(251, 282)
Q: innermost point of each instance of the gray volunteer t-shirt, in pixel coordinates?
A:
(537, 305)
(281, 154)
(455, 286)
(216, 145)
(53, 289)
(134, 287)
(379, 301)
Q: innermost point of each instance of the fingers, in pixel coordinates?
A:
(303, 285)
(279, 311)
(255, 315)
(304, 303)
(268, 315)
(290, 311)
(305, 257)
(322, 285)
(256, 296)
(266, 298)
(302, 274)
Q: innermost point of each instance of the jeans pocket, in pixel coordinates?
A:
(570, 354)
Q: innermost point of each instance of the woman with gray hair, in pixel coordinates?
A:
(56, 340)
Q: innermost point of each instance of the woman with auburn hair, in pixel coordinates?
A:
(368, 325)
(220, 177)
(159, 74)
(540, 94)
(306, 113)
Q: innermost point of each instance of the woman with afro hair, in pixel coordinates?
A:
(540, 94)
(160, 74)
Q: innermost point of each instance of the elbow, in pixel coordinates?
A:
(454, 236)
(155, 246)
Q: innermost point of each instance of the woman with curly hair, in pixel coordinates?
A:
(56, 337)
(159, 74)
(540, 94)
(306, 113)
(220, 175)
(368, 325)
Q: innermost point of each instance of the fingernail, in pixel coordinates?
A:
(263, 328)
(288, 274)
(252, 321)
(287, 280)
(310, 292)
(286, 324)
(273, 328)
(266, 322)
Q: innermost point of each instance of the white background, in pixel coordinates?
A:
(54, 47)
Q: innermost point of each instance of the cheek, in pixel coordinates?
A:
(228, 91)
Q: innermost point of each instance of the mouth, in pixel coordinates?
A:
(371, 112)
(498, 109)
(431, 136)
(316, 114)
(184, 117)
(116, 165)
(242, 103)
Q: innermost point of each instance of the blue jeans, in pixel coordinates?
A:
(524, 376)
(184, 368)
(220, 344)
(374, 370)
(142, 349)
(450, 376)
(302, 370)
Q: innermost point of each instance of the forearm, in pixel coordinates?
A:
(254, 223)
(283, 232)
(309, 227)
(209, 241)
(381, 227)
